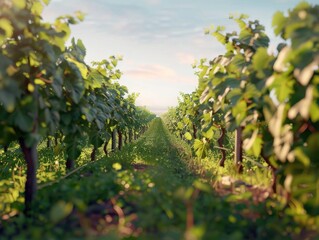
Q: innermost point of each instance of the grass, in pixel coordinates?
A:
(152, 189)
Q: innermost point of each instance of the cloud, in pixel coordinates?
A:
(143, 21)
(185, 58)
(153, 71)
(158, 72)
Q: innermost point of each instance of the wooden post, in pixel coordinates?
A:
(130, 135)
(120, 139)
(48, 142)
(194, 131)
(238, 150)
(221, 145)
(93, 154)
(56, 140)
(125, 137)
(114, 140)
(105, 148)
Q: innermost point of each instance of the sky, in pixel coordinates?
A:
(160, 39)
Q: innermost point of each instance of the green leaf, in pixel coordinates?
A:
(95, 80)
(74, 83)
(241, 23)
(256, 147)
(278, 22)
(37, 8)
(203, 71)
(220, 37)
(80, 15)
(59, 42)
(239, 111)
(6, 26)
(261, 59)
(52, 119)
(201, 148)
(81, 47)
(188, 136)
(89, 112)
(82, 68)
(239, 62)
(180, 125)
(283, 87)
(57, 84)
(246, 37)
(114, 62)
(62, 27)
(209, 133)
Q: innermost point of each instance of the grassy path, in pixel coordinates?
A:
(146, 191)
(154, 188)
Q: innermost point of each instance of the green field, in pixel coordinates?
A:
(149, 190)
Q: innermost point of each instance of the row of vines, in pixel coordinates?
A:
(49, 93)
(266, 103)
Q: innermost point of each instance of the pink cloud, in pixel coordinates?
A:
(185, 58)
(150, 71)
(158, 72)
